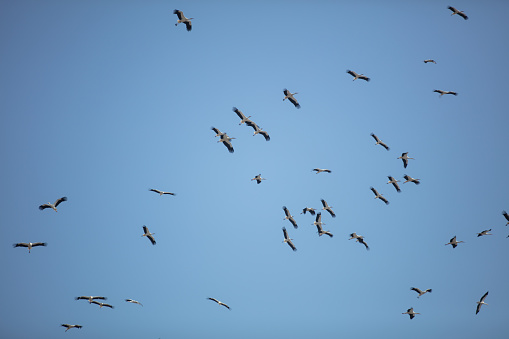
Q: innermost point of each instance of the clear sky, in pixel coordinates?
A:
(102, 100)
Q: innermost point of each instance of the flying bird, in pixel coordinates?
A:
(444, 92)
(320, 170)
(318, 220)
(460, 13)
(453, 242)
(379, 196)
(394, 183)
(70, 326)
(53, 206)
(182, 19)
(289, 217)
(258, 130)
(160, 192)
(258, 178)
(101, 304)
(420, 292)
(148, 235)
(90, 298)
(429, 60)
(404, 157)
(485, 232)
(506, 216)
(321, 231)
(379, 142)
(243, 118)
(481, 302)
(410, 179)
(290, 97)
(327, 208)
(226, 140)
(30, 245)
(133, 302)
(220, 303)
(357, 76)
(411, 312)
(359, 239)
(288, 240)
(308, 209)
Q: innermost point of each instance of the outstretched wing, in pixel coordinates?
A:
(60, 200)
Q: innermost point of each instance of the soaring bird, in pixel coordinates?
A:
(460, 13)
(133, 302)
(359, 239)
(243, 118)
(410, 312)
(420, 292)
(320, 170)
(182, 19)
(481, 302)
(404, 157)
(357, 76)
(258, 178)
(90, 298)
(410, 179)
(53, 206)
(160, 192)
(506, 216)
(70, 326)
(394, 183)
(429, 60)
(290, 97)
(444, 92)
(101, 304)
(148, 235)
(289, 217)
(379, 142)
(220, 303)
(258, 130)
(485, 232)
(308, 209)
(226, 140)
(318, 220)
(453, 242)
(29, 244)
(379, 196)
(327, 208)
(321, 231)
(288, 240)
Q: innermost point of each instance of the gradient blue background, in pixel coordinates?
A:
(102, 100)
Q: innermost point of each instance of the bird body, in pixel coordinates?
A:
(357, 76)
(68, 326)
(219, 302)
(359, 239)
(288, 240)
(258, 178)
(444, 92)
(160, 192)
(30, 245)
(320, 170)
(148, 235)
(420, 292)
(290, 97)
(379, 142)
(481, 302)
(485, 232)
(327, 208)
(133, 301)
(54, 205)
(410, 179)
(318, 220)
(289, 217)
(453, 242)
(460, 13)
(404, 157)
(182, 19)
(394, 183)
(379, 196)
(411, 312)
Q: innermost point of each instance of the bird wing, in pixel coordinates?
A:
(506, 216)
(416, 290)
(352, 73)
(217, 301)
(294, 102)
(484, 296)
(331, 212)
(20, 244)
(285, 233)
(396, 186)
(223, 304)
(324, 203)
(384, 200)
(478, 308)
(188, 26)
(438, 91)
(286, 92)
(463, 15)
(384, 145)
(102, 298)
(363, 242)
(405, 162)
(95, 302)
(108, 305)
(363, 77)
(290, 243)
(169, 193)
(375, 137)
(145, 229)
(44, 206)
(39, 244)
(152, 240)
(215, 130)
(228, 145)
(154, 190)
(287, 212)
(374, 191)
(265, 135)
(252, 124)
(60, 200)
(239, 113)
(319, 217)
(453, 93)
(294, 223)
(453, 9)
(179, 14)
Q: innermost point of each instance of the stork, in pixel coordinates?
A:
(160, 192)
(258, 130)
(101, 304)
(226, 140)
(410, 179)
(404, 157)
(241, 115)
(53, 206)
(321, 231)
(379, 142)
(453, 242)
(394, 183)
(68, 326)
(460, 13)
(410, 312)
(481, 302)
(327, 208)
(420, 292)
(133, 301)
(485, 232)
(357, 76)
(290, 97)
(379, 196)
(444, 92)
(219, 302)
(148, 235)
(308, 209)
(30, 245)
(506, 216)
(258, 178)
(429, 60)
(320, 170)
(289, 217)
(182, 19)
(288, 240)
(359, 239)
(318, 220)
(90, 298)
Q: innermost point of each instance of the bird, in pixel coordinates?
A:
(359, 239)
(481, 302)
(218, 132)
(160, 192)
(444, 92)
(53, 206)
(404, 157)
(226, 140)
(289, 217)
(90, 298)
(308, 209)
(30, 245)
(243, 118)
(183, 19)
(258, 178)
(288, 240)
(485, 232)
(460, 13)
(327, 208)
(258, 130)
(429, 60)
(410, 179)
(133, 301)
(420, 292)
(70, 326)
(506, 216)
(290, 97)
(320, 170)
(219, 302)
(453, 242)
(148, 235)
(318, 220)
(101, 304)
(357, 76)
(379, 142)
(379, 196)
(394, 183)
(321, 231)
(410, 312)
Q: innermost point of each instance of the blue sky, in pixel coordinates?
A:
(103, 100)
